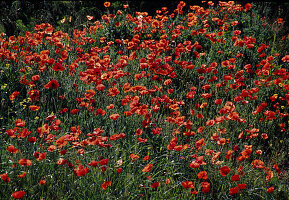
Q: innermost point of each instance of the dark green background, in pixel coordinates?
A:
(21, 15)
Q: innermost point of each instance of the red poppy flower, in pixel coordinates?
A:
(22, 175)
(5, 177)
(155, 185)
(74, 111)
(119, 170)
(35, 77)
(103, 162)
(114, 116)
(100, 87)
(32, 139)
(61, 161)
(19, 122)
(234, 190)
(188, 184)
(147, 168)
(12, 149)
(224, 170)
(258, 163)
(41, 156)
(242, 186)
(80, 171)
(24, 162)
(52, 84)
(146, 157)
(89, 17)
(18, 194)
(93, 163)
(247, 7)
(42, 182)
(270, 189)
(58, 67)
(236, 177)
(13, 95)
(106, 4)
(285, 58)
(105, 185)
(34, 107)
(205, 187)
(133, 157)
(203, 175)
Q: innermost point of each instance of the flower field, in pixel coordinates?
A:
(189, 104)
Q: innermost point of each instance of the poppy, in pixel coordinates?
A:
(5, 177)
(242, 186)
(35, 77)
(19, 122)
(24, 162)
(133, 157)
(114, 116)
(74, 111)
(285, 58)
(106, 4)
(13, 95)
(41, 156)
(89, 17)
(119, 170)
(32, 139)
(42, 182)
(51, 148)
(270, 189)
(105, 185)
(18, 194)
(34, 107)
(224, 170)
(103, 162)
(53, 84)
(234, 190)
(22, 175)
(202, 175)
(205, 187)
(12, 149)
(258, 163)
(61, 161)
(80, 171)
(188, 184)
(247, 6)
(235, 177)
(155, 185)
(58, 67)
(147, 168)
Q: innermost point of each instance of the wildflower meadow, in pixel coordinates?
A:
(188, 104)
